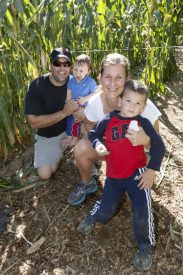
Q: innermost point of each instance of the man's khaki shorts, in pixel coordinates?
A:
(48, 150)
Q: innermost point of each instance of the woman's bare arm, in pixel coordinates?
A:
(88, 124)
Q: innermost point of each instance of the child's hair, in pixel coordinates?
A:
(83, 58)
(114, 59)
(137, 87)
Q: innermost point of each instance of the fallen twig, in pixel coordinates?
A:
(172, 234)
(174, 165)
(177, 246)
(30, 186)
(57, 217)
(163, 174)
(46, 212)
(155, 212)
(7, 269)
(178, 233)
(22, 235)
(167, 247)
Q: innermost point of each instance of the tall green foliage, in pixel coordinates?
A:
(29, 30)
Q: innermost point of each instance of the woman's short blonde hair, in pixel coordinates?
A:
(114, 59)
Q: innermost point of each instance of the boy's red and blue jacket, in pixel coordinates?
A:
(124, 158)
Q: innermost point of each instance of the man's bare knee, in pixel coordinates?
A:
(44, 173)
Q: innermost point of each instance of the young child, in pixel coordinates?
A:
(80, 87)
(127, 170)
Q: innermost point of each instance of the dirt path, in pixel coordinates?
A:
(43, 212)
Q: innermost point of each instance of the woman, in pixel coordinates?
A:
(113, 76)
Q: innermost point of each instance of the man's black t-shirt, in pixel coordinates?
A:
(44, 98)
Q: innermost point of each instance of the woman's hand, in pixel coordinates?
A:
(79, 115)
(138, 137)
(146, 179)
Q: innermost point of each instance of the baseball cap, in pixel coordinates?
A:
(60, 52)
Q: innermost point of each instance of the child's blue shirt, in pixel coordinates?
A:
(85, 87)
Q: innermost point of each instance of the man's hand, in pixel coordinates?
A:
(70, 107)
(146, 179)
(44, 121)
(138, 138)
(101, 150)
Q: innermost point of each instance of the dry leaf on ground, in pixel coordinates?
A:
(36, 245)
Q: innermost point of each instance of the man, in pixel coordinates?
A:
(47, 110)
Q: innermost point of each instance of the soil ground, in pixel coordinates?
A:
(43, 211)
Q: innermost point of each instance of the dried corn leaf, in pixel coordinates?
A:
(36, 245)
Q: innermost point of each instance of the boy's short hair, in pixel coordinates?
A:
(114, 59)
(136, 86)
(83, 58)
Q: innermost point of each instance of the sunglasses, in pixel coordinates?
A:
(65, 64)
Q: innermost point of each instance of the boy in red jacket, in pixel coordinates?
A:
(127, 169)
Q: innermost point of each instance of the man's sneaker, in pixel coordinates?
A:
(86, 225)
(143, 260)
(79, 194)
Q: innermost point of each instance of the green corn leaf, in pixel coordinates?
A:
(3, 8)
(152, 77)
(18, 6)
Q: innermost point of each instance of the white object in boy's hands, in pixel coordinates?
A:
(101, 150)
(134, 125)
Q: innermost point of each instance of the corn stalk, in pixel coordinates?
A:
(29, 30)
